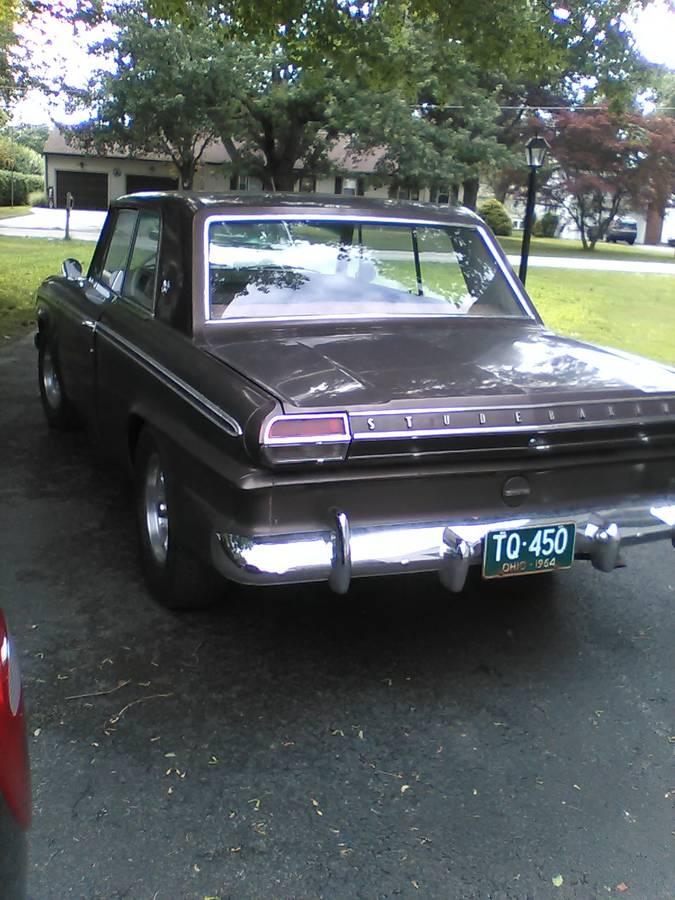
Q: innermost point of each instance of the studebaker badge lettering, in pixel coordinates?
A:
(346, 453)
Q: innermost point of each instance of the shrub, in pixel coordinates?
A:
(37, 198)
(21, 159)
(23, 185)
(496, 216)
(547, 225)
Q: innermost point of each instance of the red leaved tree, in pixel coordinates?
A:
(601, 168)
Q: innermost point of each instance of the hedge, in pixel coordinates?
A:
(547, 225)
(496, 216)
(23, 185)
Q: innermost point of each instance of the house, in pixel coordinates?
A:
(95, 180)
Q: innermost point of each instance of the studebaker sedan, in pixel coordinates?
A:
(315, 390)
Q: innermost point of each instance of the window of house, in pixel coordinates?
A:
(238, 183)
(350, 187)
(141, 275)
(307, 184)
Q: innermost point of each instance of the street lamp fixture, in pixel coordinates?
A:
(536, 149)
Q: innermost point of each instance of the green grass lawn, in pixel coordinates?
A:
(628, 311)
(8, 212)
(435, 241)
(557, 247)
(24, 263)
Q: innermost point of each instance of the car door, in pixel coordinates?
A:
(124, 329)
(88, 299)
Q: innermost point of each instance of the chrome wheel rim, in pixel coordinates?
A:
(50, 381)
(156, 512)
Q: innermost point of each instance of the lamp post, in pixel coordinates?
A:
(536, 148)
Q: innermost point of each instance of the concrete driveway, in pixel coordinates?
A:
(86, 225)
(397, 742)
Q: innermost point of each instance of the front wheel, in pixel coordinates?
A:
(176, 578)
(56, 406)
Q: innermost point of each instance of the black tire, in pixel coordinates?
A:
(175, 577)
(56, 406)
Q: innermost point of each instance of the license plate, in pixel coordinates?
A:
(525, 551)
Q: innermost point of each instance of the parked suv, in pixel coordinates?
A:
(622, 230)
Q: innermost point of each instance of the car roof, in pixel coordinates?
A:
(309, 204)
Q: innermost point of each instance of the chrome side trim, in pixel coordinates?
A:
(657, 395)
(446, 547)
(196, 399)
(501, 429)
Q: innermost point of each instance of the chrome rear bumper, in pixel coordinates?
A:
(450, 548)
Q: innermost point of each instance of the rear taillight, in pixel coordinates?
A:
(14, 769)
(317, 437)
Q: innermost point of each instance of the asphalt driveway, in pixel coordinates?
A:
(515, 742)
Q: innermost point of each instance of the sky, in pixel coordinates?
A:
(57, 48)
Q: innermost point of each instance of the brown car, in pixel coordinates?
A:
(309, 389)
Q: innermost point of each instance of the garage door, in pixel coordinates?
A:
(89, 189)
(150, 183)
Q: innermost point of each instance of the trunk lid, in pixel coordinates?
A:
(420, 364)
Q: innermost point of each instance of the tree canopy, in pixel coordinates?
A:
(438, 95)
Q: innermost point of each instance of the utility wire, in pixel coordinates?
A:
(525, 108)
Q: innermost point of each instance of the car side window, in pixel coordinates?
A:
(119, 247)
(139, 282)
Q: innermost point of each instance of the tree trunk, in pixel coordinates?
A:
(187, 169)
(654, 229)
(470, 195)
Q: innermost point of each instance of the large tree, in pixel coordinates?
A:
(164, 87)
(277, 82)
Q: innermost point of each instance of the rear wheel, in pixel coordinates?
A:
(176, 578)
(56, 406)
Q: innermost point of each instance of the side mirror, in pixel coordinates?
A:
(72, 269)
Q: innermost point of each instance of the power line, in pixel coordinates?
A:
(527, 108)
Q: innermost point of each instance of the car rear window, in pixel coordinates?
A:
(315, 268)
